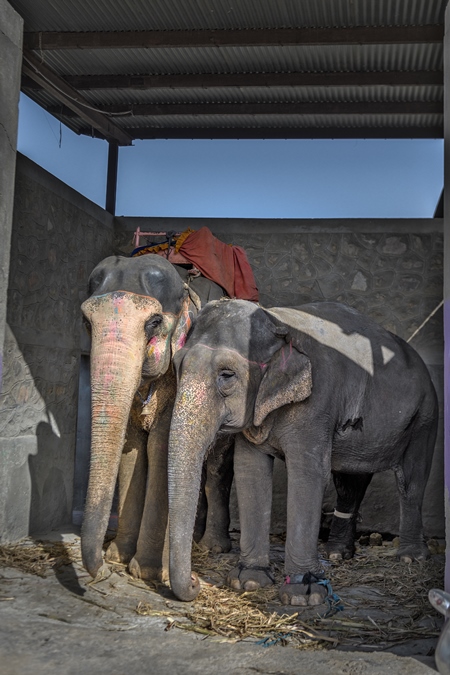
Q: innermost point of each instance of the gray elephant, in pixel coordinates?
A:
(324, 388)
(139, 313)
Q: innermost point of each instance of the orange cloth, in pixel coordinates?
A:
(227, 265)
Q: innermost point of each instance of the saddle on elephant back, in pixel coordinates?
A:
(201, 253)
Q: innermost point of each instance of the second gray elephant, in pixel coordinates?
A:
(326, 389)
(139, 312)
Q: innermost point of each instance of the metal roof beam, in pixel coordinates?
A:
(291, 133)
(296, 108)
(57, 87)
(204, 81)
(357, 35)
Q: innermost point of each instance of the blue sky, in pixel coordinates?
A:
(247, 179)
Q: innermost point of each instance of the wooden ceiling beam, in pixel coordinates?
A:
(205, 81)
(46, 78)
(285, 133)
(358, 35)
(296, 108)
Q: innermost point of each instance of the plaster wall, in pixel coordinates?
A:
(391, 270)
(11, 27)
(58, 236)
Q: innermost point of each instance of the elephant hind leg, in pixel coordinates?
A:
(412, 476)
(350, 489)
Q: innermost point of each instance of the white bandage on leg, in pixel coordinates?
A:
(346, 516)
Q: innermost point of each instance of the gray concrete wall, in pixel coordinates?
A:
(58, 236)
(11, 28)
(391, 270)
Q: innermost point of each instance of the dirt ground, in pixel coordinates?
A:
(55, 620)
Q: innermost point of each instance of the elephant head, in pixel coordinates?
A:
(138, 313)
(237, 367)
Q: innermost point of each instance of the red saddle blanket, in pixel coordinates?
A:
(224, 264)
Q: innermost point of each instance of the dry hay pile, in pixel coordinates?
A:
(394, 593)
(259, 614)
(37, 557)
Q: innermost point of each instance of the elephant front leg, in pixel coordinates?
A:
(305, 580)
(350, 489)
(150, 561)
(132, 480)
(253, 476)
(219, 476)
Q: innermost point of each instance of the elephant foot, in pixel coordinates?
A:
(103, 573)
(119, 552)
(249, 578)
(337, 551)
(409, 554)
(304, 590)
(215, 543)
(148, 572)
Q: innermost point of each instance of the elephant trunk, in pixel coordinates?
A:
(193, 431)
(116, 366)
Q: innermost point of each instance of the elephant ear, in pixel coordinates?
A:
(287, 380)
(190, 308)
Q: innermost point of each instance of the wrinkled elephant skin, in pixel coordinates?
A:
(138, 312)
(326, 389)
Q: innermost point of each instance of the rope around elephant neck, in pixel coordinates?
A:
(149, 395)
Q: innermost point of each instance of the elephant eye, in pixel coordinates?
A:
(151, 325)
(226, 379)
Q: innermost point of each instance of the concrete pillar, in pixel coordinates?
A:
(11, 30)
(447, 287)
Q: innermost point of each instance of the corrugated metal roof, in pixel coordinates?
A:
(357, 57)
(336, 58)
(266, 95)
(109, 15)
(281, 121)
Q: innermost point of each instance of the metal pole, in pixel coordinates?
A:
(446, 215)
(111, 180)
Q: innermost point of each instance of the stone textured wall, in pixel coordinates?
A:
(58, 236)
(391, 270)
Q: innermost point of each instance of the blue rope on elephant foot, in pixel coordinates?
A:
(333, 599)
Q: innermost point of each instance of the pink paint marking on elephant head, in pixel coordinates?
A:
(117, 323)
(158, 349)
(184, 325)
(285, 357)
(154, 349)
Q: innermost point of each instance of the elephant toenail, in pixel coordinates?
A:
(316, 599)
(299, 600)
(251, 585)
(335, 556)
